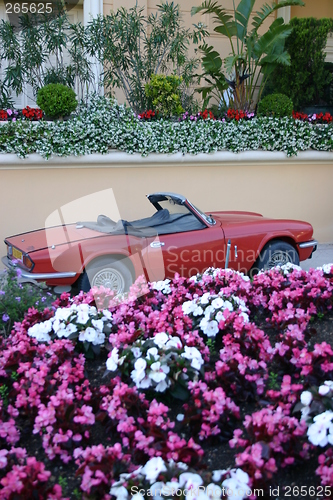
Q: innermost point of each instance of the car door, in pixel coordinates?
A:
(186, 253)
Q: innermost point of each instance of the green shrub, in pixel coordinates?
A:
(165, 95)
(56, 100)
(277, 105)
(305, 80)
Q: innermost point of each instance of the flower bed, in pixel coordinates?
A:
(102, 125)
(215, 382)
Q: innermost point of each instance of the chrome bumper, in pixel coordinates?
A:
(36, 276)
(308, 244)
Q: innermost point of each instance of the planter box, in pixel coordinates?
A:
(266, 182)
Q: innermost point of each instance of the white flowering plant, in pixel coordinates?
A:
(161, 363)
(101, 125)
(159, 479)
(79, 322)
(211, 312)
(316, 406)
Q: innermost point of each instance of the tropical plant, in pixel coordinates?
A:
(306, 79)
(253, 56)
(132, 47)
(44, 50)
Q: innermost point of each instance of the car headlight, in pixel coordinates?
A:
(9, 251)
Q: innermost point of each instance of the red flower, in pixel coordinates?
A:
(3, 115)
(32, 113)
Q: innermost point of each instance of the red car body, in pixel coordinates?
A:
(185, 241)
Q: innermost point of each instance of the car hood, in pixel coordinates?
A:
(233, 217)
(53, 236)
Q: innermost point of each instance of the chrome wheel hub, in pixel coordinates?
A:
(109, 278)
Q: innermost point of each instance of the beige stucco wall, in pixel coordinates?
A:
(269, 183)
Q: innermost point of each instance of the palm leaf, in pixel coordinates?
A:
(242, 16)
(211, 59)
(276, 34)
(267, 10)
(226, 26)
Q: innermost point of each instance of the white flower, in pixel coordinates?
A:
(120, 492)
(139, 373)
(152, 353)
(83, 313)
(214, 492)
(174, 342)
(98, 324)
(162, 286)
(63, 313)
(194, 355)
(113, 360)
(137, 496)
(209, 327)
(228, 305)
(161, 339)
(189, 306)
(107, 315)
(40, 331)
(90, 335)
(306, 398)
(136, 352)
(158, 372)
(218, 303)
(326, 268)
(66, 331)
(317, 432)
(197, 311)
(217, 474)
(237, 484)
(323, 390)
(190, 481)
(153, 468)
(205, 298)
(180, 417)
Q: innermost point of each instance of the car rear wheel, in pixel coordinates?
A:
(113, 274)
(275, 254)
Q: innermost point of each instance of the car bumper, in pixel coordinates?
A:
(37, 276)
(307, 248)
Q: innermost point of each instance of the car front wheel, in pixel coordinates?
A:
(275, 254)
(107, 273)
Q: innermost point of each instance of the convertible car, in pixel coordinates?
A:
(177, 238)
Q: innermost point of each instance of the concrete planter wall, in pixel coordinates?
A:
(264, 182)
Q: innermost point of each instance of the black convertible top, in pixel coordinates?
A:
(162, 222)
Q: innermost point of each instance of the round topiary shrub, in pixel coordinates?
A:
(277, 105)
(56, 100)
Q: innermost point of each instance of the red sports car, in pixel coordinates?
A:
(177, 238)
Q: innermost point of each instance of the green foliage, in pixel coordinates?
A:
(252, 55)
(103, 125)
(16, 298)
(133, 47)
(306, 78)
(44, 49)
(277, 105)
(273, 381)
(56, 100)
(165, 95)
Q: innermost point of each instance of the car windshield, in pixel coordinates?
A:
(207, 218)
(173, 207)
